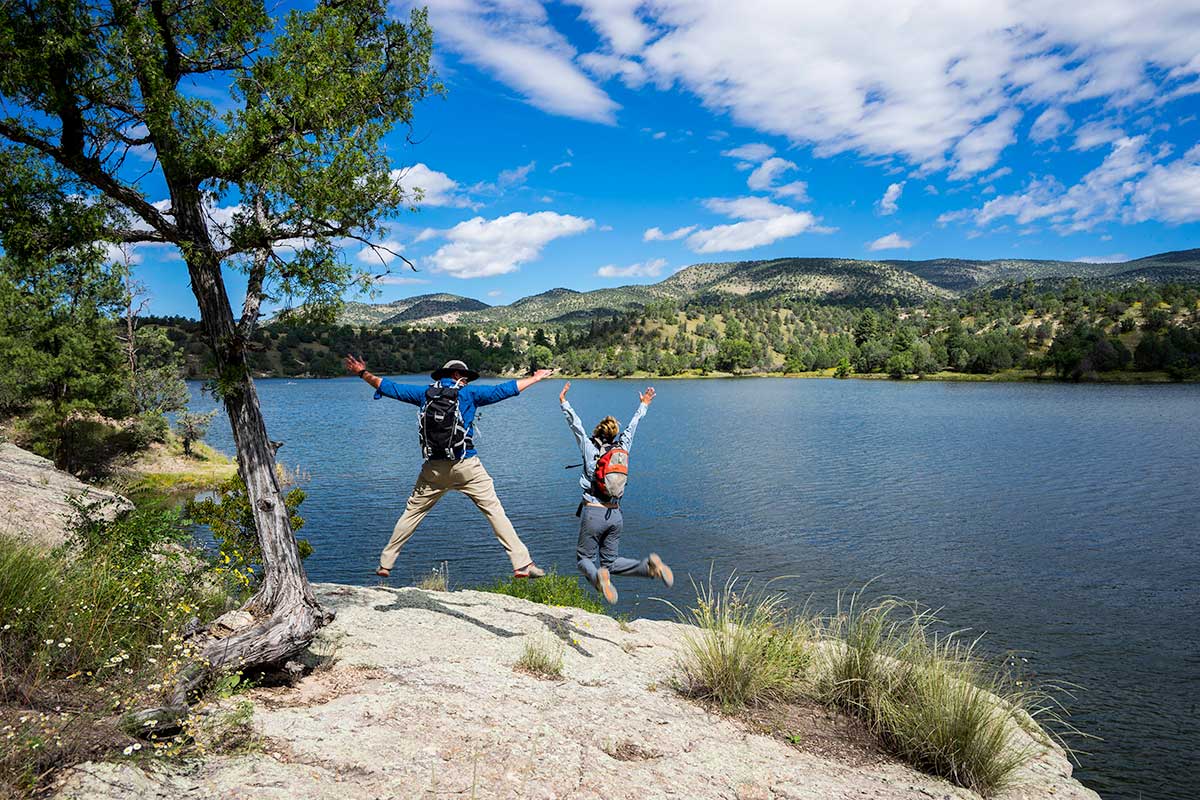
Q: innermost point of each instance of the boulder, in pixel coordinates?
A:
(35, 498)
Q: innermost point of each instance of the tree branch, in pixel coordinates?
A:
(88, 169)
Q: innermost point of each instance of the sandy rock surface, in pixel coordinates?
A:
(34, 505)
(423, 702)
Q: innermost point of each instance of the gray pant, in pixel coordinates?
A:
(600, 533)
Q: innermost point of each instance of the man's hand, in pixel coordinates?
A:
(540, 375)
(562, 396)
(354, 365)
(647, 395)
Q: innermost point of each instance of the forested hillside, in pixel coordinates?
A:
(1069, 332)
(836, 281)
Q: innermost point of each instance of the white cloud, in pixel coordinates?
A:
(765, 175)
(660, 135)
(481, 247)
(763, 179)
(495, 293)
(384, 255)
(1050, 124)
(763, 222)
(1115, 258)
(437, 188)
(889, 203)
(1095, 134)
(1126, 186)
(980, 149)
(648, 269)
(562, 165)
(121, 254)
(607, 65)
(751, 233)
(746, 207)
(751, 152)
(937, 84)
(399, 280)
(1170, 192)
(656, 234)
(514, 40)
(617, 21)
(515, 176)
(893, 241)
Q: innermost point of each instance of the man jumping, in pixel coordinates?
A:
(447, 428)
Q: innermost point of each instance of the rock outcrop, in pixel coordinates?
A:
(422, 701)
(35, 498)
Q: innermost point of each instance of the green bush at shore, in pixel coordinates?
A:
(552, 590)
(91, 630)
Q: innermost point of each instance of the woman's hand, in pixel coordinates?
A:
(354, 365)
(645, 396)
(562, 396)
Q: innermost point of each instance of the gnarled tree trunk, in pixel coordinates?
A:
(283, 616)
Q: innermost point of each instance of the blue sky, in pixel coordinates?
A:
(602, 142)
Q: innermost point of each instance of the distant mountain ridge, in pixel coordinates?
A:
(830, 280)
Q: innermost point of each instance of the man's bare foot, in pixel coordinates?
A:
(383, 573)
(530, 570)
(604, 584)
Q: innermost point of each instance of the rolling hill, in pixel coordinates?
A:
(827, 280)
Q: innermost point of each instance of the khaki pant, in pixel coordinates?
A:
(469, 477)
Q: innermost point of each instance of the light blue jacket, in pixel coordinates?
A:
(591, 453)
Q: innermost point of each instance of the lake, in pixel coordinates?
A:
(1059, 520)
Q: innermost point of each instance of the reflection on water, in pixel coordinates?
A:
(1060, 520)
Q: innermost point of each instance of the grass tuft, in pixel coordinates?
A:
(438, 579)
(542, 658)
(929, 697)
(744, 650)
(552, 590)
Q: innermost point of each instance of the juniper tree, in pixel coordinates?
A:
(111, 103)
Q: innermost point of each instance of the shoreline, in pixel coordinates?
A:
(1007, 376)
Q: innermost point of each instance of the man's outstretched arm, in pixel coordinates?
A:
(383, 387)
(540, 375)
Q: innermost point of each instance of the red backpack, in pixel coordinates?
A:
(611, 473)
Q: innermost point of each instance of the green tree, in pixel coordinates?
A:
(867, 328)
(59, 356)
(191, 427)
(539, 357)
(294, 154)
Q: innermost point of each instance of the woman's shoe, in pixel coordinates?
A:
(604, 584)
(660, 570)
(383, 573)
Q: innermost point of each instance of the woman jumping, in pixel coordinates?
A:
(605, 469)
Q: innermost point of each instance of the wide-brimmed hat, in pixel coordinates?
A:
(451, 367)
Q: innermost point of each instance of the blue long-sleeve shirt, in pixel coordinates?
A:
(591, 453)
(469, 399)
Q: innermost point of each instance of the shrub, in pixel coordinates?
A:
(88, 631)
(231, 520)
(930, 698)
(552, 590)
(744, 650)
